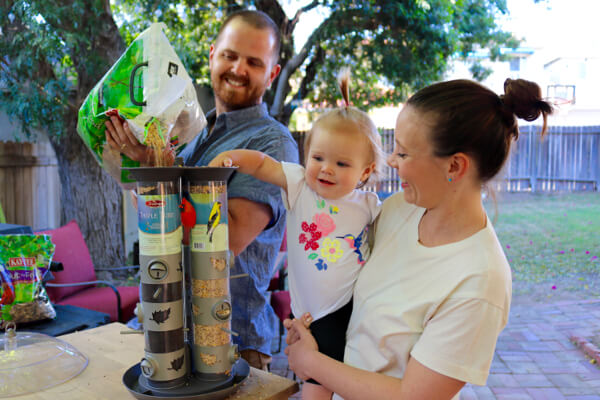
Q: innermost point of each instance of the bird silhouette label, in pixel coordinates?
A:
(176, 364)
(212, 234)
(160, 316)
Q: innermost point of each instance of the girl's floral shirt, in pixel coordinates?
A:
(326, 243)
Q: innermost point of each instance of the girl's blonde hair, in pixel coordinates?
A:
(354, 118)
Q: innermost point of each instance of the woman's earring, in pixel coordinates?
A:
(449, 179)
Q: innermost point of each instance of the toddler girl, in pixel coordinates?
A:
(327, 216)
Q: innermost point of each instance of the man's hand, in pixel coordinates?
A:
(120, 138)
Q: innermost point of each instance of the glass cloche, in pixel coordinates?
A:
(30, 362)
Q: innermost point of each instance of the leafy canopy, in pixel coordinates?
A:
(392, 47)
(51, 60)
(53, 52)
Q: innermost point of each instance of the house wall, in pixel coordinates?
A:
(544, 68)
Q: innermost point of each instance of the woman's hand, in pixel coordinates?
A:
(303, 347)
(120, 138)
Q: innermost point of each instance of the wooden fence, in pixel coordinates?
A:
(566, 159)
(29, 184)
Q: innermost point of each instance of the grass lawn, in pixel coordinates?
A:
(552, 242)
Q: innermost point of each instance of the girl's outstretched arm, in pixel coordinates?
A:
(255, 163)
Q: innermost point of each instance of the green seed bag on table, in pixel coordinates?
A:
(24, 259)
(148, 87)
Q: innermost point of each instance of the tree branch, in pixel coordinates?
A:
(273, 9)
(311, 72)
(343, 22)
(291, 23)
(282, 82)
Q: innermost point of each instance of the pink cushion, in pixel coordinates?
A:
(281, 303)
(103, 299)
(74, 254)
(274, 282)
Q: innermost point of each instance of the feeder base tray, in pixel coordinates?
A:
(194, 388)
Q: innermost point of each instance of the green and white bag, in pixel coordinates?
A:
(149, 87)
(24, 259)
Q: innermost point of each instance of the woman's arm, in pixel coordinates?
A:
(419, 382)
(255, 163)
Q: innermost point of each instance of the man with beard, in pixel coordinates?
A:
(243, 64)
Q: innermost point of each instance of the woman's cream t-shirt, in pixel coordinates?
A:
(445, 306)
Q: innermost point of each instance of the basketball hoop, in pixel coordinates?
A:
(561, 105)
(558, 101)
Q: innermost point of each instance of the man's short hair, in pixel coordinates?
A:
(258, 20)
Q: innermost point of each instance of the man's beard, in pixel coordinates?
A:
(236, 99)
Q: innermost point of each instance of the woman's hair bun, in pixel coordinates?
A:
(524, 99)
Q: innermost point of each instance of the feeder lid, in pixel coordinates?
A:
(154, 174)
(165, 174)
(208, 173)
(30, 362)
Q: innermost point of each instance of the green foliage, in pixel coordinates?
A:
(479, 72)
(38, 103)
(51, 58)
(393, 47)
(191, 27)
(46, 47)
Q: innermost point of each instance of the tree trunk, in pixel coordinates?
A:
(285, 114)
(91, 197)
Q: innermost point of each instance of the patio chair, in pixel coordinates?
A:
(77, 283)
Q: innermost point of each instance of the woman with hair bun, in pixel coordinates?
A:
(435, 294)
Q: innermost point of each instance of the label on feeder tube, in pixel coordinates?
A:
(156, 244)
(211, 232)
(159, 224)
(210, 240)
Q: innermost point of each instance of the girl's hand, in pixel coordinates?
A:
(306, 319)
(222, 160)
(303, 347)
(292, 335)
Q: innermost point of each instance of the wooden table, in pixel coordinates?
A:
(111, 353)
